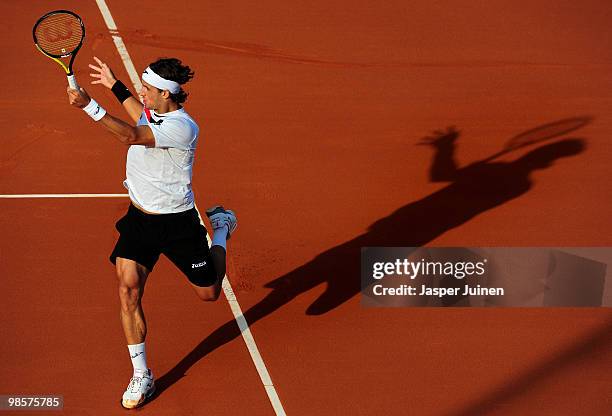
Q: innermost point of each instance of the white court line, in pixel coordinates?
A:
(247, 336)
(227, 288)
(27, 196)
(123, 53)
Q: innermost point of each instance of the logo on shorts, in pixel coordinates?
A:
(196, 265)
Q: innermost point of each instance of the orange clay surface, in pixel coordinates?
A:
(310, 113)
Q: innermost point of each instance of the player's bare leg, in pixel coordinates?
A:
(132, 278)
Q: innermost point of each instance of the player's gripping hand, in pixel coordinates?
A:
(441, 138)
(78, 98)
(103, 74)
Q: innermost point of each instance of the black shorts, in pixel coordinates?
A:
(180, 237)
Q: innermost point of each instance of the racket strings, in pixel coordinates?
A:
(547, 131)
(59, 34)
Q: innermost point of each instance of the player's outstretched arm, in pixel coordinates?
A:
(443, 168)
(127, 134)
(105, 76)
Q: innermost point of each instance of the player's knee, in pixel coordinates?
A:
(209, 295)
(205, 283)
(131, 279)
(130, 286)
(129, 297)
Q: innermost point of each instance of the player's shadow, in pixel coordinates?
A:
(473, 189)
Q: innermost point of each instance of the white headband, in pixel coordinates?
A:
(152, 78)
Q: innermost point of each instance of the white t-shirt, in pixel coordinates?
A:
(159, 178)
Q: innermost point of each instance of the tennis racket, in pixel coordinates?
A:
(540, 134)
(58, 35)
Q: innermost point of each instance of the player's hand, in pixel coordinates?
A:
(103, 74)
(78, 98)
(441, 137)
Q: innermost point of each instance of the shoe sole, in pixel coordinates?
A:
(143, 400)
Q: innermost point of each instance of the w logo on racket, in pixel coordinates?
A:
(57, 34)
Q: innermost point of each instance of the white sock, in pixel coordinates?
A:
(139, 357)
(220, 237)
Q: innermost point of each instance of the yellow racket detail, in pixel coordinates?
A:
(59, 61)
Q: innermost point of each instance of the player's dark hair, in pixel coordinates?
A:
(173, 70)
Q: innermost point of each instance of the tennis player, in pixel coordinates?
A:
(161, 218)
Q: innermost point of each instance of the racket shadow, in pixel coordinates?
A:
(472, 190)
(542, 133)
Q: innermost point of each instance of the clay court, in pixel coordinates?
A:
(310, 116)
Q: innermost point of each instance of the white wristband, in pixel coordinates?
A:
(94, 110)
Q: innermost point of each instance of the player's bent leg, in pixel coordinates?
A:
(224, 223)
(131, 278)
(203, 266)
(206, 282)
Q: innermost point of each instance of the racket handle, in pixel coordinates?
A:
(72, 82)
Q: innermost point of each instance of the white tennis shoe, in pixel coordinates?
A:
(220, 217)
(140, 389)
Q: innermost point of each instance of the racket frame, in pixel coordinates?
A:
(578, 122)
(69, 73)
